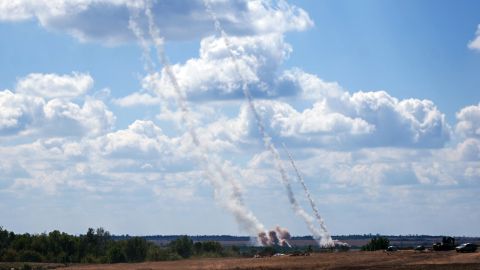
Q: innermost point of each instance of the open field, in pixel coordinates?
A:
(401, 260)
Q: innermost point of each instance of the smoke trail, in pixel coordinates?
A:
(267, 141)
(214, 171)
(326, 237)
(149, 65)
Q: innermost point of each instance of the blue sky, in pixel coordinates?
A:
(378, 102)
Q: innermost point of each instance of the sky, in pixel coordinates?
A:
(378, 102)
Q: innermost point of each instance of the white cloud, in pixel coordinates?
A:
(214, 76)
(409, 122)
(475, 43)
(51, 86)
(434, 173)
(107, 20)
(362, 119)
(468, 122)
(140, 139)
(138, 99)
(469, 150)
(69, 119)
(310, 86)
(40, 106)
(18, 111)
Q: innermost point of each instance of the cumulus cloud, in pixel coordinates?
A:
(409, 122)
(140, 139)
(41, 105)
(107, 20)
(475, 43)
(336, 118)
(18, 111)
(467, 131)
(138, 99)
(309, 86)
(468, 122)
(362, 119)
(54, 85)
(69, 119)
(469, 150)
(213, 75)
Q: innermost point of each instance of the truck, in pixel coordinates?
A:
(448, 243)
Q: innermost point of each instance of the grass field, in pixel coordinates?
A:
(401, 260)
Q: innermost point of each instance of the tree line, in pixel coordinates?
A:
(98, 246)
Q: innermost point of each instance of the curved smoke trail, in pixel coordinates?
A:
(267, 140)
(326, 237)
(213, 168)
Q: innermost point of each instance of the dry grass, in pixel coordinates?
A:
(401, 260)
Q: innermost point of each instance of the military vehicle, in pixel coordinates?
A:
(420, 248)
(467, 247)
(391, 248)
(448, 243)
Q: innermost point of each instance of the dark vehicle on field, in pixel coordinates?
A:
(467, 247)
(391, 248)
(448, 243)
(420, 248)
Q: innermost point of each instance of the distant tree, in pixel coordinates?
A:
(212, 247)
(136, 249)
(198, 248)
(376, 243)
(235, 249)
(183, 246)
(9, 255)
(267, 251)
(115, 254)
(29, 256)
(4, 241)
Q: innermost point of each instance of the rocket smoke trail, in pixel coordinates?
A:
(267, 140)
(214, 169)
(326, 237)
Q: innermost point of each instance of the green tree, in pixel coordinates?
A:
(9, 255)
(136, 249)
(183, 246)
(212, 247)
(30, 256)
(377, 243)
(115, 254)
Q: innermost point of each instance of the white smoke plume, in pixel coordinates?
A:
(326, 237)
(267, 141)
(283, 236)
(276, 237)
(221, 181)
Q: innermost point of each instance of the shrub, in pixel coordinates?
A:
(183, 246)
(115, 254)
(136, 249)
(377, 243)
(10, 255)
(30, 256)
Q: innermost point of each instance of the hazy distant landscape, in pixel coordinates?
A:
(356, 241)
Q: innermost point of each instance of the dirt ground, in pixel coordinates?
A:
(401, 260)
